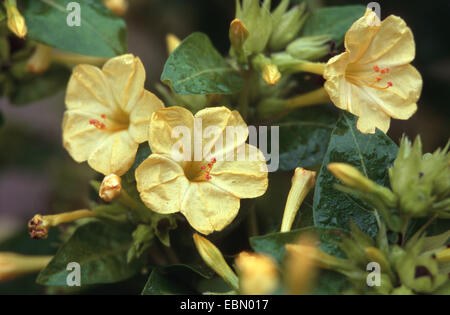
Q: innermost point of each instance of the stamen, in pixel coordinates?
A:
(97, 124)
(371, 81)
(210, 166)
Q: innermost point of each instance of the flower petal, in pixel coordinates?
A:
(221, 127)
(243, 178)
(89, 91)
(163, 122)
(209, 208)
(398, 101)
(161, 184)
(141, 114)
(360, 34)
(393, 45)
(115, 154)
(80, 138)
(126, 77)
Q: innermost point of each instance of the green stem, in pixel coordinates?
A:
(244, 96)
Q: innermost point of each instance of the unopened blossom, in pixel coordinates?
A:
(373, 78)
(206, 189)
(108, 114)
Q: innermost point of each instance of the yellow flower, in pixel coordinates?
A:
(108, 113)
(258, 274)
(206, 186)
(373, 78)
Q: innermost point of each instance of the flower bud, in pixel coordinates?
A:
(353, 178)
(300, 267)
(309, 48)
(110, 188)
(118, 7)
(212, 256)
(258, 274)
(320, 258)
(286, 28)
(443, 256)
(16, 22)
(172, 42)
(13, 265)
(238, 34)
(39, 62)
(302, 182)
(270, 74)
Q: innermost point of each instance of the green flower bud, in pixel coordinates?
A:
(421, 182)
(286, 27)
(257, 21)
(309, 48)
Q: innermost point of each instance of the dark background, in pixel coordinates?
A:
(37, 174)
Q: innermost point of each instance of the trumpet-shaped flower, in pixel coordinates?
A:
(373, 78)
(207, 182)
(108, 113)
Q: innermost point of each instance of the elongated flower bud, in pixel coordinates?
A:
(353, 178)
(258, 273)
(39, 225)
(13, 265)
(270, 74)
(212, 256)
(302, 182)
(110, 188)
(118, 7)
(300, 266)
(40, 61)
(172, 42)
(16, 22)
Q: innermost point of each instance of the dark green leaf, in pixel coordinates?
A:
(196, 67)
(38, 87)
(100, 249)
(100, 33)
(174, 279)
(334, 21)
(372, 155)
(304, 137)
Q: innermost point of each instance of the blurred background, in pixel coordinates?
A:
(37, 174)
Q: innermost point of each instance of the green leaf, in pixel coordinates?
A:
(38, 87)
(100, 249)
(196, 67)
(174, 279)
(334, 21)
(100, 33)
(304, 137)
(372, 155)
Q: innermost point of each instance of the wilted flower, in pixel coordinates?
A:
(108, 113)
(373, 78)
(206, 189)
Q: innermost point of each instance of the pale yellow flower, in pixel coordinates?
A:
(207, 191)
(258, 274)
(373, 78)
(108, 114)
(13, 265)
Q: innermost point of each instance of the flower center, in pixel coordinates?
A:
(102, 124)
(199, 171)
(372, 80)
